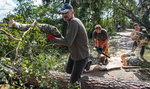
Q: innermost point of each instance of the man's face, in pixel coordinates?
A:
(137, 27)
(68, 16)
(98, 30)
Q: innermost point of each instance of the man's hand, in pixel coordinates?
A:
(51, 37)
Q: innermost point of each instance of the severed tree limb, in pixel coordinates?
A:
(9, 35)
(46, 28)
(32, 25)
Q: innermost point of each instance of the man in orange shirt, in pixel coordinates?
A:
(100, 39)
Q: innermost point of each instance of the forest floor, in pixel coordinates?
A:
(120, 44)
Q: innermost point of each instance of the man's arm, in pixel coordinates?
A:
(70, 35)
(105, 37)
(133, 35)
(95, 41)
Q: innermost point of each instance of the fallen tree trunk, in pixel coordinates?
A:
(89, 82)
(92, 83)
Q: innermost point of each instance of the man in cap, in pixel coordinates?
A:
(136, 42)
(77, 41)
(100, 39)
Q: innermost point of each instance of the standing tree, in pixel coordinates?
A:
(136, 10)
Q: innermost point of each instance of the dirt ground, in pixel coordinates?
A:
(122, 44)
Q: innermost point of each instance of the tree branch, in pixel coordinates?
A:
(23, 37)
(9, 35)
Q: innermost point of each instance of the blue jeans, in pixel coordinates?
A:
(75, 68)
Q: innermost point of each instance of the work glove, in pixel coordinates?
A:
(51, 37)
(99, 50)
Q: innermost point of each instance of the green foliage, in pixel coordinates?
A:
(74, 86)
(37, 55)
(39, 68)
(136, 10)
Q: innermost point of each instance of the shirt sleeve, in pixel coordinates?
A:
(93, 35)
(105, 36)
(71, 34)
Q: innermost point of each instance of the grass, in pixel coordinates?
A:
(146, 54)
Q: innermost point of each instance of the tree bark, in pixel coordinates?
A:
(89, 82)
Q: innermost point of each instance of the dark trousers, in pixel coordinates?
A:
(75, 68)
(142, 48)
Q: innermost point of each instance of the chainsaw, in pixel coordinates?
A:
(100, 50)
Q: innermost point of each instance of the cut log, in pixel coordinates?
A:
(92, 83)
(89, 82)
(111, 67)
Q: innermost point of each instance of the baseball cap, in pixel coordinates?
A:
(65, 8)
(135, 24)
(98, 26)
